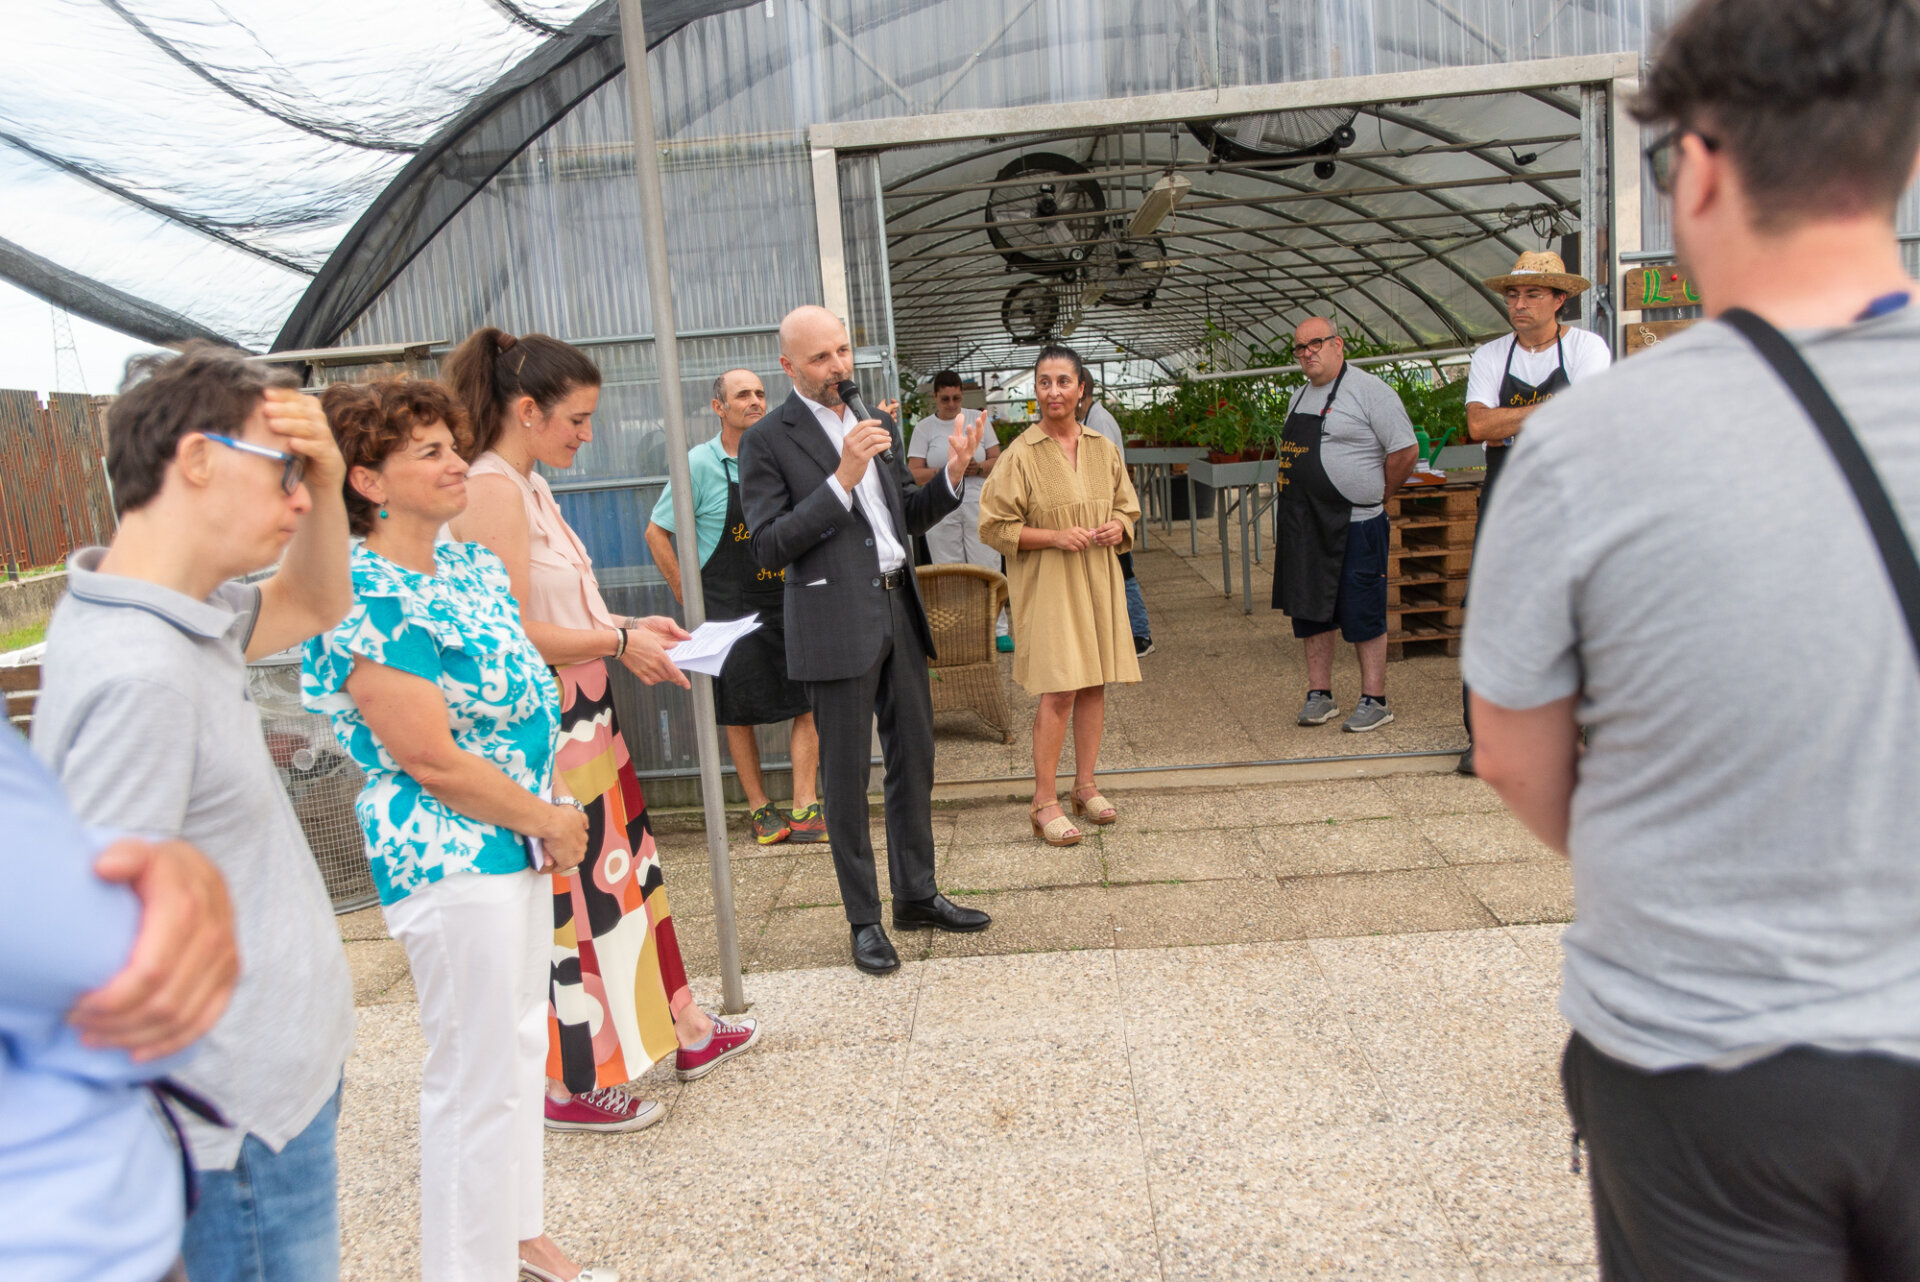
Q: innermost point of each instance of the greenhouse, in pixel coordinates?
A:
(1169, 185)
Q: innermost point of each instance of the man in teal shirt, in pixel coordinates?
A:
(753, 689)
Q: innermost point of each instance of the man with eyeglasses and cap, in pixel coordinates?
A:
(1513, 376)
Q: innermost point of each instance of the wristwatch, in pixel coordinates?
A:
(570, 801)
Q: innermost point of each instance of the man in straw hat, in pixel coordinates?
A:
(1511, 377)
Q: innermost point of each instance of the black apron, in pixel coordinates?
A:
(1311, 518)
(1515, 393)
(752, 688)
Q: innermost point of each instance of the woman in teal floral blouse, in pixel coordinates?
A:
(438, 695)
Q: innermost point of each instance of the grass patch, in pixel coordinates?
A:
(21, 638)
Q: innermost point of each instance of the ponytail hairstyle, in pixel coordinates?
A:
(1061, 352)
(492, 369)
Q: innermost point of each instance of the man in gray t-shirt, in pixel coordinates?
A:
(1347, 445)
(1675, 562)
(220, 470)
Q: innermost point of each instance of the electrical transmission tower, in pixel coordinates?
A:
(67, 374)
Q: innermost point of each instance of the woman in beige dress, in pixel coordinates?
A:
(1060, 507)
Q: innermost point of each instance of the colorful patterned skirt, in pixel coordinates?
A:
(618, 979)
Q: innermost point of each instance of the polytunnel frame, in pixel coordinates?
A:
(1610, 160)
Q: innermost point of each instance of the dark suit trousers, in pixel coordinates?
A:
(895, 689)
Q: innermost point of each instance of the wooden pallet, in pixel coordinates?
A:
(22, 689)
(1454, 532)
(1404, 564)
(1418, 647)
(1439, 500)
(1416, 590)
(1425, 618)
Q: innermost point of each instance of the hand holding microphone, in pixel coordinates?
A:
(851, 398)
(867, 438)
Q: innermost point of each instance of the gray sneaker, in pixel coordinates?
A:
(1368, 716)
(1318, 709)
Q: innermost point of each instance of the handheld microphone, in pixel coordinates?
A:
(850, 397)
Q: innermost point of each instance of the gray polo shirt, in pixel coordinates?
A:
(1367, 423)
(144, 716)
(1744, 853)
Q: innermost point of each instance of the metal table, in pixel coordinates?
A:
(1155, 486)
(1245, 480)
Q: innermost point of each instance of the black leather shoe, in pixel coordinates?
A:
(938, 913)
(1465, 767)
(873, 951)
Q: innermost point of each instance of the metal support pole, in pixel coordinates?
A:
(653, 232)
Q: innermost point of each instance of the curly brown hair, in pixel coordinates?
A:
(372, 420)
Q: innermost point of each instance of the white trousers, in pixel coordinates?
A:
(480, 947)
(956, 540)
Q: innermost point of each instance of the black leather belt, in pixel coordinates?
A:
(893, 580)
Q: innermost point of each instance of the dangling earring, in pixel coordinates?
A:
(383, 514)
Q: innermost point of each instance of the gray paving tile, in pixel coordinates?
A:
(1044, 1211)
(376, 966)
(1524, 893)
(1439, 794)
(1200, 855)
(1341, 846)
(1020, 865)
(1380, 903)
(1334, 1201)
(1026, 921)
(1495, 837)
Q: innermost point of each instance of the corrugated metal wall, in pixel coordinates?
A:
(53, 484)
(552, 243)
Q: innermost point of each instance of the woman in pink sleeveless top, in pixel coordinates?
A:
(619, 999)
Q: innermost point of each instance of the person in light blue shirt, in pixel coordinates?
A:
(91, 1175)
(753, 689)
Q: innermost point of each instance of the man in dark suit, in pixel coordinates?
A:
(839, 519)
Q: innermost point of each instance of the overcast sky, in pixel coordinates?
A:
(26, 347)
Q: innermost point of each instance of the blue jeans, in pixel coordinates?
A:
(275, 1217)
(1137, 611)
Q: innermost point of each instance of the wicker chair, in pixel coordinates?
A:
(962, 603)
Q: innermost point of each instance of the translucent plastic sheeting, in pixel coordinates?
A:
(206, 157)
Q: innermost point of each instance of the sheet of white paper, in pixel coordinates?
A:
(706, 650)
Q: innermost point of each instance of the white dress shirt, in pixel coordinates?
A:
(873, 499)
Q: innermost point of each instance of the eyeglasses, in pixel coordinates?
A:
(294, 467)
(1312, 346)
(1660, 155)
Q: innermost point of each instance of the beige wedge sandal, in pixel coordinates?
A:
(1094, 806)
(1057, 831)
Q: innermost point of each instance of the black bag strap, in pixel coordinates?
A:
(1896, 550)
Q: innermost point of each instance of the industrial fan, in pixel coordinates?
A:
(1039, 311)
(1124, 272)
(1298, 134)
(321, 780)
(1042, 213)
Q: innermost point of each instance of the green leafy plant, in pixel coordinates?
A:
(1238, 414)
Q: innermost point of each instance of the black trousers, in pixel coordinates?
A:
(1496, 459)
(1803, 1167)
(895, 690)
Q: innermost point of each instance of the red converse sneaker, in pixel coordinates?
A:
(727, 1041)
(603, 1110)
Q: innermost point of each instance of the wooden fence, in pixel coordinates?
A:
(53, 480)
